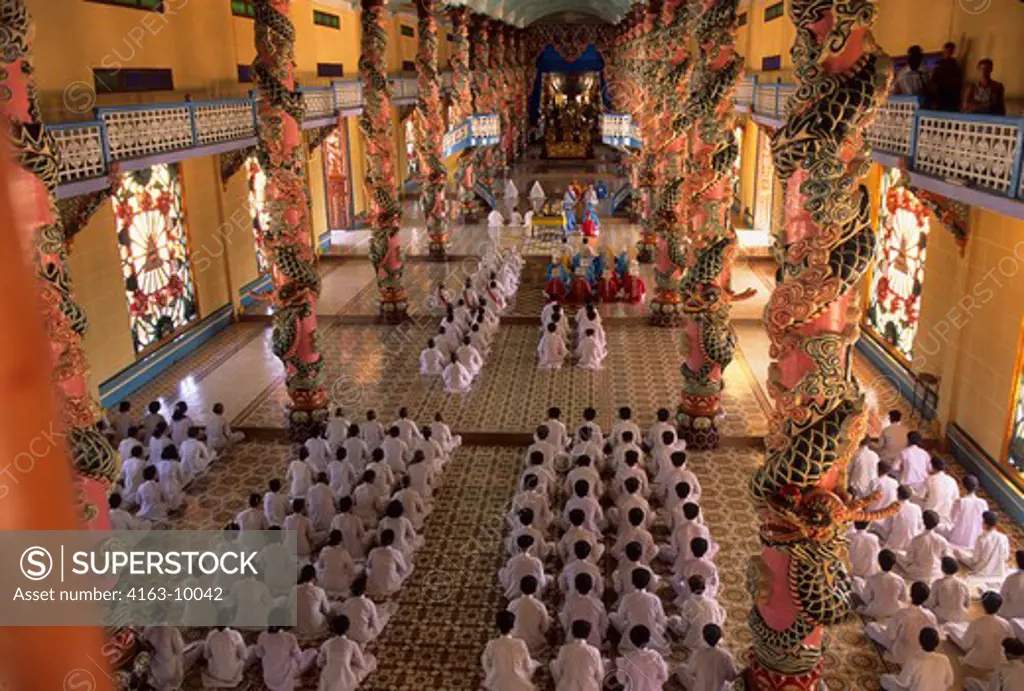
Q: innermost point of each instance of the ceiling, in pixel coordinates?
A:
(523, 12)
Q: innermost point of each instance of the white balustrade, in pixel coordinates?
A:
(224, 121)
(979, 150)
(318, 103)
(486, 127)
(79, 151)
(404, 87)
(136, 132)
(348, 94)
(745, 91)
(764, 99)
(785, 91)
(893, 125)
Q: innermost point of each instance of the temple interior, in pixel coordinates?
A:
(780, 240)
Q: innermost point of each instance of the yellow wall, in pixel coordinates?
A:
(234, 236)
(748, 165)
(201, 186)
(317, 192)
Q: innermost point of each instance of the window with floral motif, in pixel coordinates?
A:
(153, 243)
(257, 181)
(894, 310)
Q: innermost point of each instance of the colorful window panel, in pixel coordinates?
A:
(894, 310)
(257, 211)
(155, 264)
(1015, 451)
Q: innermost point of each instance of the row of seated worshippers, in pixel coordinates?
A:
(458, 351)
(591, 342)
(356, 499)
(584, 501)
(160, 459)
(589, 275)
(907, 570)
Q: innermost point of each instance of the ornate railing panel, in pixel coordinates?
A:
(745, 90)
(766, 99)
(893, 127)
(139, 131)
(404, 87)
(348, 94)
(977, 149)
(80, 150)
(318, 102)
(223, 121)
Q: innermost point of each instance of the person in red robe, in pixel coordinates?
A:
(608, 286)
(632, 285)
(580, 290)
(589, 229)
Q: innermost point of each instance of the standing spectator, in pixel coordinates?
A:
(985, 96)
(947, 81)
(912, 80)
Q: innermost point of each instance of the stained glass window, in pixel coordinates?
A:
(155, 263)
(257, 211)
(1015, 453)
(411, 159)
(895, 305)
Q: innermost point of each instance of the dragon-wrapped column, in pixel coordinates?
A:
(375, 124)
(483, 94)
(462, 107)
(430, 127)
(801, 579)
(499, 89)
(287, 236)
(650, 169)
(706, 286)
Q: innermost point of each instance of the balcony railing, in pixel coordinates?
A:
(87, 149)
(979, 151)
(619, 130)
(474, 131)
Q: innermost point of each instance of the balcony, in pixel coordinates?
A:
(976, 159)
(132, 137)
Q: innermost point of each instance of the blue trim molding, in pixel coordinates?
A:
(134, 377)
(974, 459)
(892, 369)
(324, 241)
(250, 291)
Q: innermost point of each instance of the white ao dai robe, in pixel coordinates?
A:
(641, 670)
(457, 379)
(226, 654)
(532, 622)
(950, 599)
(551, 351)
(708, 669)
(282, 660)
(578, 667)
(507, 665)
(925, 672)
(431, 362)
(344, 664)
(966, 521)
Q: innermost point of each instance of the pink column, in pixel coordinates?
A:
(430, 124)
(462, 104)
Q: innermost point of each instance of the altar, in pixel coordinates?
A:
(570, 114)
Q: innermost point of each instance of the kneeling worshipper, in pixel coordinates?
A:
(457, 379)
(506, 660)
(926, 670)
(988, 560)
(578, 664)
(709, 668)
(883, 594)
(283, 661)
(899, 635)
(226, 656)
(966, 521)
(1013, 594)
(633, 287)
(1009, 675)
(367, 620)
(590, 353)
(343, 664)
(640, 668)
(982, 639)
(494, 223)
(551, 350)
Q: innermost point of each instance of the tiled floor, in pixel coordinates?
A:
(447, 608)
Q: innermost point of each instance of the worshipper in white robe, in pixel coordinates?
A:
(926, 670)
(578, 666)
(306, 538)
(1013, 590)
(569, 542)
(966, 516)
(275, 504)
(633, 559)
(519, 566)
(516, 219)
(479, 340)
(131, 474)
(151, 419)
(408, 430)
(899, 635)
(252, 518)
(532, 619)
(660, 426)
(885, 593)
(396, 451)
(470, 357)
(590, 354)
(414, 506)
(893, 439)
(709, 668)
(121, 519)
(406, 540)
(541, 548)
(172, 479)
(431, 360)
(692, 525)
(341, 475)
(887, 488)
(335, 568)
(923, 558)
(354, 537)
(583, 603)
(343, 664)
(167, 665)
(130, 441)
(988, 560)
(180, 422)
(940, 491)
(635, 531)
(641, 608)
(159, 441)
(639, 668)
(367, 620)
(121, 420)
(442, 434)
(624, 424)
(551, 350)
(907, 524)
(537, 197)
(982, 639)
(511, 196)
(196, 457)
(863, 469)
(311, 605)
(864, 550)
(1009, 676)
(950, 597)
(628, 499)
(300, 475)
(337, 429)
(151, 499)
(283, 661)
(506, 660)
(386, 568)
(671, 474)
(356, 450)
(457, 377)
(319, 453)
(558, 433)
(226, 655)
(628, 467)
(914, 463)
(696, 612)
(371, 431)
(219, 434)
(495, 221)
(698, 565)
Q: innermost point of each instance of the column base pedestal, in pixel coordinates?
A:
(757, 678)
(303, 424)
(666, 310)
(699, 433)
(438, 248)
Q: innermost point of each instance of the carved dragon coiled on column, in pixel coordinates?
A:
(812, 321)
(375, 125)
(430, 127)
(287, 236)
(483, 93)
(462, 104)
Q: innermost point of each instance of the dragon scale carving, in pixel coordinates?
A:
(430, 128)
